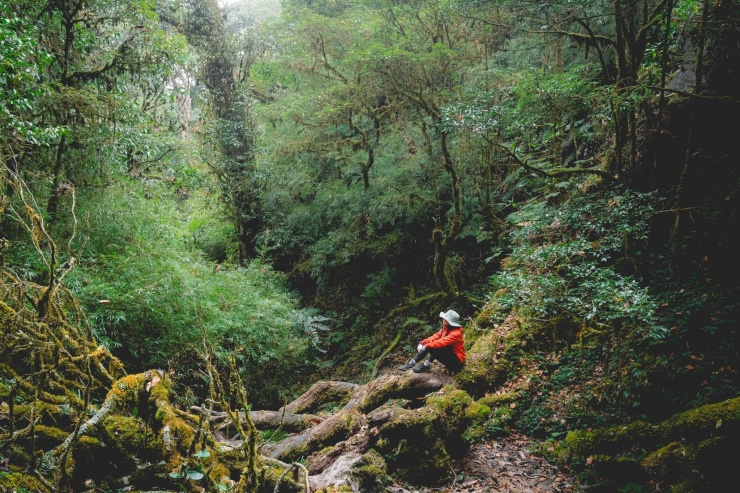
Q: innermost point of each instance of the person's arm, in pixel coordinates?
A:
(433, 337)
(452, 337)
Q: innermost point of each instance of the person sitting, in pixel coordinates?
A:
(446, 346)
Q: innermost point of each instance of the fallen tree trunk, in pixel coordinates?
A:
(349, 419)
(320, 394)
(264, 420)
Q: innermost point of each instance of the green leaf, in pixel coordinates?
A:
(195, 475)
(202, 454)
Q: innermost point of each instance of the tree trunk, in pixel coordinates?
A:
(53, 205)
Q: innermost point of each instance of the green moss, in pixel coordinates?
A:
(691, 451)
(288, 484)
(496, 400)
(4, 392)
(47, 437)
(20, 483)
(335, 489)
(688, 486)
(706, 466)
(459, 412)
(429, 465)
(663, 461)
(616, 440)
(92, 459)
(132, 437)
(6, 315)
(417, 422)
(693, 425)
(425, 458)
(484, 370)
(700, 423)
(86, 441)
(17, 454)
(451, 403)
(477, 413)
(219, 473)
(49, 413)
(371, 472)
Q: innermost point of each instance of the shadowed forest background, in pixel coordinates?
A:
(208, 207)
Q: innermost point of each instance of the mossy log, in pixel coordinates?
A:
(354, 472)
(414, 420)
(265, 420)
(319, 395)
(488, 366)
(53, 435)
(670, 452)
(122, 431)
(348, 420)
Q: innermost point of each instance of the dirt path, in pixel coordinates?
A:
(502, 466)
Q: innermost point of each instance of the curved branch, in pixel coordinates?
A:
(578, 36)
(555, 173)
(596, 44)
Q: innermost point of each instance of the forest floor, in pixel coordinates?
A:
(505, 466)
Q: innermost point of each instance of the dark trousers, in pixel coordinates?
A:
(444, 355)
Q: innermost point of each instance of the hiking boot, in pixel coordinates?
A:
(407, 366)
(422, 368)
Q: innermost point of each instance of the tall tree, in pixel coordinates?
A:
(227, 58)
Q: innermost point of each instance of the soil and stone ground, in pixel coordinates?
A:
(504, 466)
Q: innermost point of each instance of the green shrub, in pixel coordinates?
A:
(160, 295)
(576, 261)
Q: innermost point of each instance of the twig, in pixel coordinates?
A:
(290, 467)
(280, 427)
(537, 475)
(385, 353)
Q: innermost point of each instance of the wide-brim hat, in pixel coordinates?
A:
(452, 318)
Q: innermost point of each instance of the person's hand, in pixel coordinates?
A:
(420, 348)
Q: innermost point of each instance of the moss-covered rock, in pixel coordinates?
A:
(663, 461)
(132, 434)
(272, 476)
(17, 455)
(703, 422)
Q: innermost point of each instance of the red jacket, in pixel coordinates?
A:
(452, 337)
